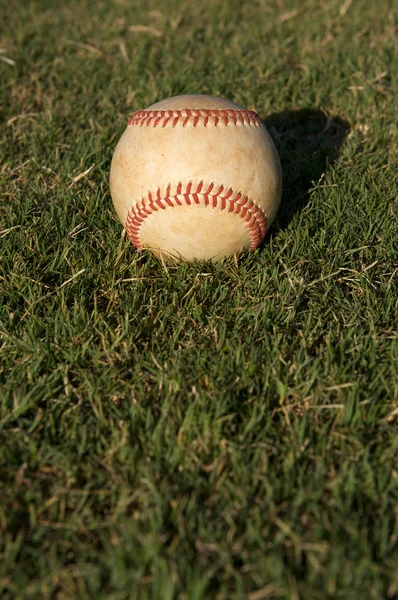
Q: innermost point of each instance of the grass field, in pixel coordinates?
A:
(200, 430)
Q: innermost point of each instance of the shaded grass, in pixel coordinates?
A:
(199, 430)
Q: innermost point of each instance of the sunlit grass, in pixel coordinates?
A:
(199, 431)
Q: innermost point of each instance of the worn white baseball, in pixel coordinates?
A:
(196, 177)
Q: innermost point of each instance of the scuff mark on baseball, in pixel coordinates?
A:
(196, 177)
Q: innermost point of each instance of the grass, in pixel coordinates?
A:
(199, 431)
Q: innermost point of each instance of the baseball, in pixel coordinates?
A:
(196, 177)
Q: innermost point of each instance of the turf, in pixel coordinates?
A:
(199, 430)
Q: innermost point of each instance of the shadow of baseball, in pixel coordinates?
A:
(309, 141)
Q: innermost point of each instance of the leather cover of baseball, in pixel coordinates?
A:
(196, 177)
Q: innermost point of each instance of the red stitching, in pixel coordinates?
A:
(162, 118)
(224, 199)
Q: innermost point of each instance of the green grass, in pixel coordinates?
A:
(199, 431)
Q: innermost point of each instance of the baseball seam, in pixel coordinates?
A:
(213, 197)
(162, 118)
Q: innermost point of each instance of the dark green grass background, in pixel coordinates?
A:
(199, 431)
